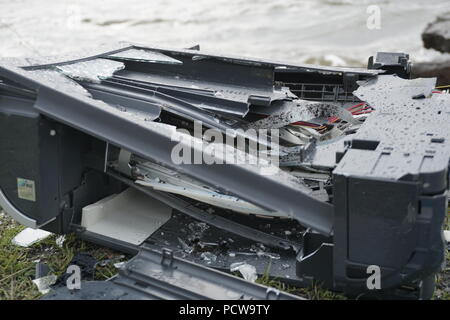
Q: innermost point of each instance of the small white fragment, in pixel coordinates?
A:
(119, 265)
(29, 236)
(247, 270)
(287, 232)
(447, 235)
(60, 240)
(43, 284)
(271, 255)
(145, 55)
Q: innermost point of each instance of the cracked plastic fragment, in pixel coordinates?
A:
(186, 248)
(247, 270)
(144, 56)
(92, 70)
(43, 284)
(378, 87)
(208, 257)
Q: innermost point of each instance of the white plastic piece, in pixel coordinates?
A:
(120, 265)
(43, 284)
(247, 270)
(60, 240)
(447, 235)
(130, 216)
(29, 236)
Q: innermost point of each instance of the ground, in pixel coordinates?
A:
(17, 265)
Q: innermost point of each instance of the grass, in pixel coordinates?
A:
(443, 279)
(17, 266)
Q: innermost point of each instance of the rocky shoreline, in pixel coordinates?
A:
(436, 36)
(441, 70)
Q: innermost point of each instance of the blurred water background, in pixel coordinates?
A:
(331, 32)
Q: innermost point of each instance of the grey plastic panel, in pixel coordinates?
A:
(12, 211)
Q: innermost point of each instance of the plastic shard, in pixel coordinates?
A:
(144, 56)
(43, 284)
(30, 236)
(447, 235)
(247, 270)
(92, 70)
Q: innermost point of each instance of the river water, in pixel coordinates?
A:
(332, 32)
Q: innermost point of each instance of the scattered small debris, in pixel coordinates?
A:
(260, 250)
(247, 270)
(197, 229)
(30, 236)
(186, 248)
(43, 284)
(208, 257)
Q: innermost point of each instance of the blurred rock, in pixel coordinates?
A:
(437, 34)
(441, 70)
